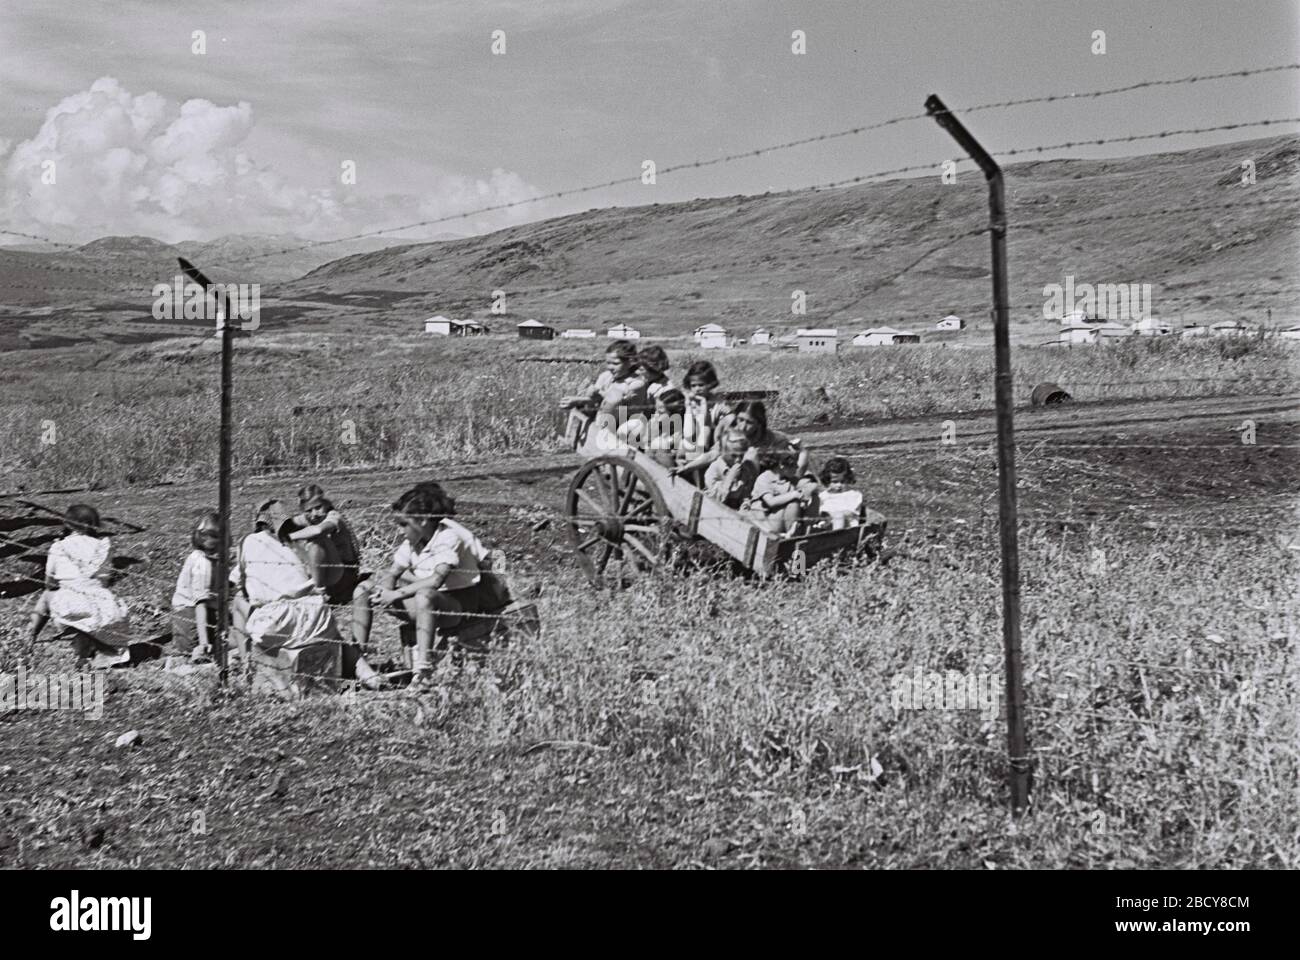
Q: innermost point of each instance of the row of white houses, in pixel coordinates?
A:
(712, 336)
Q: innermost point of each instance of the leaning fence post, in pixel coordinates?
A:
(222, 573)
(1007, 524)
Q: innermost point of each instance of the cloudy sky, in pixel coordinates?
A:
(149, 137)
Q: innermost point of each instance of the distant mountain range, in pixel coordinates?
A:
(111, 266)
(900, 252)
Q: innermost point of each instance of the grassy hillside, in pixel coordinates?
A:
(736, 260)
(875, 253)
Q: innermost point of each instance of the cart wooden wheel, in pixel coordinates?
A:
(619, 526)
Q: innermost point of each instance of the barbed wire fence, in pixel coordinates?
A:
(851, 298)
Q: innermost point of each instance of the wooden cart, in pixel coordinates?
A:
(626, 514)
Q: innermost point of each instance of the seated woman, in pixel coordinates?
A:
(436, 576)
(750, 418)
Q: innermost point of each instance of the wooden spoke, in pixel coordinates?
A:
(641, 507)
(641, 548)
(582, 547)
(604, 560)
(628, 494)
(600, 510)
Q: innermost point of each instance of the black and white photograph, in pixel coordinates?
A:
(603, 435)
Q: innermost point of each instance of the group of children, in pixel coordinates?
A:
(730, 451)
(289, 575)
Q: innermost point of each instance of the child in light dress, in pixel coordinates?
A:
(77, 573)
(194, 601)
(839, 500)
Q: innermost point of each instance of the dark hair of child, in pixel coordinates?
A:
(653, 357)
(837, 468)
(206, 535)
(82, 518)
(674, 400)
(623, 349)
(703, 371)
(773, 458)
(310, 492)
(426, 499)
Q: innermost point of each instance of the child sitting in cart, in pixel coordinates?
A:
(617, 386)
(651, 369)
(730, 478)
(704, 414)
(782, 497)
(661, 434)
(839, 500)
(617, 383)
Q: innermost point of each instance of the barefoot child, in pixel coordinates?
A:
(77, 597)
(194, 602)
(839, 500)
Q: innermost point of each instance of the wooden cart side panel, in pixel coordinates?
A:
(725, 528)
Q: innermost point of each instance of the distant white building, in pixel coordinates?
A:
(1151, 327)
(1290, 333)
(709, 330)
(817, 340)
(1195, 330)
(760, 337)
(1093, 332)
(623, 332)
(884, 336)
(577, 333)
(950, 322)
(441, 326)
(716, 341)
(1229, 328)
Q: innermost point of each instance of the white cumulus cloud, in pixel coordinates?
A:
(140, 164)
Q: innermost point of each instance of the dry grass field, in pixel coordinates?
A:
(707, 720)
(702, 719)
